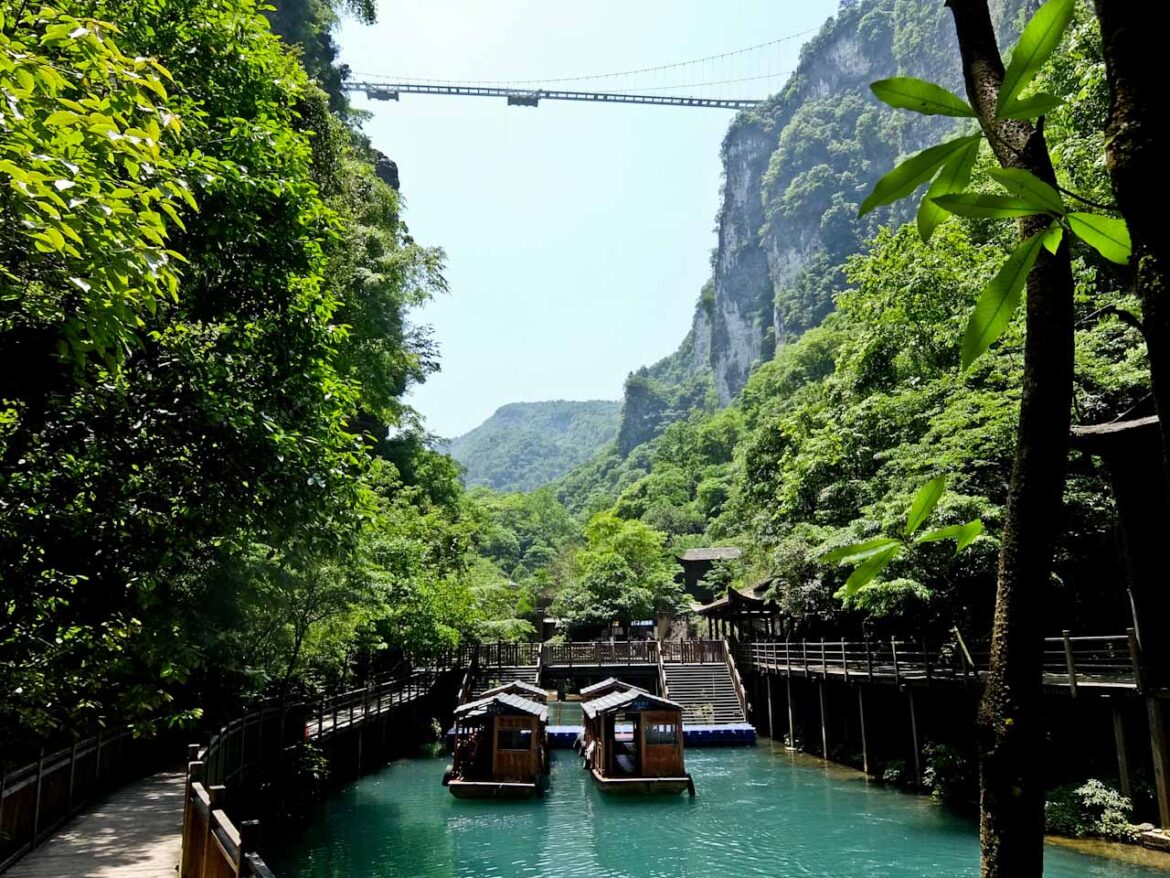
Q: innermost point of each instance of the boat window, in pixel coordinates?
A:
(515, 739)
(661, 733)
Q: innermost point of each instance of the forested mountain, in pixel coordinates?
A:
(525, 445)
(824, 441)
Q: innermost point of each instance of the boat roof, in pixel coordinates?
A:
(518, 687)
(631, 701)
(504, 703)
(606, 685)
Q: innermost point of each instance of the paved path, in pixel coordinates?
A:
(135, 833)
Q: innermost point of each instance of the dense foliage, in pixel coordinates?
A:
(204, 296)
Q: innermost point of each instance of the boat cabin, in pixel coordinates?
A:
(635, 743)
(606, 686)
(518, 687)
(500, 748)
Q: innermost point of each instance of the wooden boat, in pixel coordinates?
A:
(592, 693)
(500, 748)
(645, 756)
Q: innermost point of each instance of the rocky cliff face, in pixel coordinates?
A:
(795, 171)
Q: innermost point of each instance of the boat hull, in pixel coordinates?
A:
(490, 789)
(643, 786)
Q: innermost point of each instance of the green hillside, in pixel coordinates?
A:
(528, 444)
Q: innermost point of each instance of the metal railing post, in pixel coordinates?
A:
(1068, 660)
(1135, 656)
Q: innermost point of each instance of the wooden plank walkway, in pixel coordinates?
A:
(135, 832)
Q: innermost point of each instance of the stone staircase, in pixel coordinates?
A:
(705, 691)
(490, 677)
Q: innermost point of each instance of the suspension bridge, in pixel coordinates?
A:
(379, 91)
(735, 71)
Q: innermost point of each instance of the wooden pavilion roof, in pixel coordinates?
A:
(503, 704)
(740, 602)
(631, 701)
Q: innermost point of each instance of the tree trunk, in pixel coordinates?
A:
(1011, 826)
(1134, 153)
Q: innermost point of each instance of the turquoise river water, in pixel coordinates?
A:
(758, 811)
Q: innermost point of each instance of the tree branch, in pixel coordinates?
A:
(1126, 317)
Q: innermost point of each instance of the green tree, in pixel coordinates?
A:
(623, 574)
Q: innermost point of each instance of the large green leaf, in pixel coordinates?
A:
(924, 502)
(912, 173)
(1026, 185)
(1031, 106)
(954, 176)
(855, 552)
(962, 534)
(1052, 236)
(982, 206)
(999, 300)
(1105, 234)
(1037, 43)
(864, 573)
(908, 93)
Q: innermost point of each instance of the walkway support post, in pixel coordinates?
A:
(771, 725)
(824, 723)
(914, 740)
(1122, 753)
(864, 743)
(1161, 758)
(791, 717)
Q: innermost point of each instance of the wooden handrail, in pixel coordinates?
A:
(1071, 662)
(736, 680)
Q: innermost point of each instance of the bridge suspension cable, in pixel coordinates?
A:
(552, 80)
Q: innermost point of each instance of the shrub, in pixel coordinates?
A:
(1092, 809)
(950, 775)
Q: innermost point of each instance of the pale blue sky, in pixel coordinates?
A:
(577, 234)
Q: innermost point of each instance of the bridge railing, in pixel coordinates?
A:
(514, 654)
(37, 798)
(692, 652)
(251, 744)
(1087, 660)
(736, 679)
(598, 654)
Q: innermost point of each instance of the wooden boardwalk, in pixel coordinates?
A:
(135, 832)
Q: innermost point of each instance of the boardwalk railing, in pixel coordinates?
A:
(692, 652)
(213, 847)
(586, 654)
(494, 655)
(36, 799)
(736, 679)
(1071, 662)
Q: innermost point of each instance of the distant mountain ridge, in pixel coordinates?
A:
(526, 445)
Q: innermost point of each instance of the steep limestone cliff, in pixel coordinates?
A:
(795, 170)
